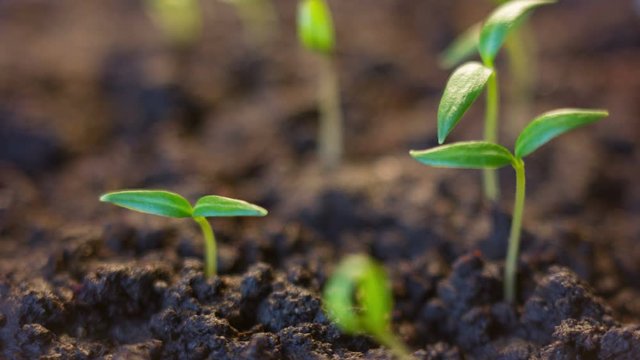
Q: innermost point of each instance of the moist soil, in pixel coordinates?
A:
(92, 100)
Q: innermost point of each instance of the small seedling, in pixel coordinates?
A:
(490, 37)
(181, 20)
(488, 155)
(316, 34)
(168, 204)
(358, 299)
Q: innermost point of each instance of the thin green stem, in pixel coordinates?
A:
(330, 134)
(210, 253)
(397, 347)
(490, 179)
(511, 264)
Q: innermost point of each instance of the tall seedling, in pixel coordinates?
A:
(491, 36)
(490, 156)
(316, 34)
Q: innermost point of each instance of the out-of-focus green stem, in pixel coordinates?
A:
(330, 135)
(397, 347)
(490, 179)
(511, 263)
(210, 253)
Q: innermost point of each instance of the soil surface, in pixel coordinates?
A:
(92, 99)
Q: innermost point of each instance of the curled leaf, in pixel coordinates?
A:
(553, 124)
(155, 202)
(463, 88)
(358, 296)
(505, 18)
(315, 26)
(220, 206)
(466, 155)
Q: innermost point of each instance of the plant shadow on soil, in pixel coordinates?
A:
(81, 280)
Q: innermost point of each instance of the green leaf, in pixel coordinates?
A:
(155, 202)
(462, 48)
(219, 206)
(466, 155)
(552, 124)
(463, 88)
(359, 279)
(505, 18)
(315, 26)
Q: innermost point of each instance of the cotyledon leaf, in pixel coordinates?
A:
(501, 21)
(553, 124)
(155, 202)
(463, 88)
(315, 26)
(219, 206)
(358, 296)
(466, 155)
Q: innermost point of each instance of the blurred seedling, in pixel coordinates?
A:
(168, 204)
(488, 155)
(316, 34)
(489, 38)
(358, 300)
(259, 20)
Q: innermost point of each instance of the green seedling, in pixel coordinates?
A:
(488, 155)
(358, 299)
(168, 204)
(316, 34)
(180, 20)
(520, 48)
(489, 37)
(259, 19)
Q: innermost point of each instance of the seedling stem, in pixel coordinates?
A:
(511, 262)
(397, 347)
(330, 135)
(211, 261)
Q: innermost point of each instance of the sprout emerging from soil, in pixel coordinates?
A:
(488, 155)
(489, 38)
(181, 20)
(168, 204)
(316, 34)
(358, 299)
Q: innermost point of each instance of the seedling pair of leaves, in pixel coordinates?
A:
(316, 33)
(488, 155)
(168, 204)
(358, 299)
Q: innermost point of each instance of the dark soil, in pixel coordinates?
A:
(91, 101)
